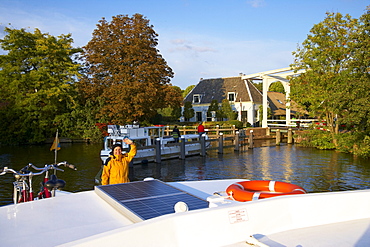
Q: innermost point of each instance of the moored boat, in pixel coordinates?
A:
(146, 139)
(190, 213)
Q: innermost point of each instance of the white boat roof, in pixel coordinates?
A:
(86, 219)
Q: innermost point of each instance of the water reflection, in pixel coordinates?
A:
(315, 170)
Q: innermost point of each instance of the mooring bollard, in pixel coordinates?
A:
(182, 148)
(203, 145)
(278, 137)
(236, 140)
(251, 139)
(290, 136)
(158, 157)
(221, 143)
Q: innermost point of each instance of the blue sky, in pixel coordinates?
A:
(197, 38)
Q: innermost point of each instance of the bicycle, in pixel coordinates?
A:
(23, 190)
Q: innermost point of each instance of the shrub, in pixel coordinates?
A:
(238, 124)
(362, 149)
(318, 139)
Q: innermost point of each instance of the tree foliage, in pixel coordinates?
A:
(327, 84)
(188, 110)
(172, 113)
(214, 107)
(126, 74)
(336, 84)
(277, 87)
(187, 90)
(37, 76)
(228, 111)
(358, 112)
(258, 85)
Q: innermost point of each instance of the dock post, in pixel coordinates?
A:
(251, 139)
(278, 137)
(221, 143)
(203, 145)
(236, 141)
(290, 136)
(182, 148)
(158, 157)
(268, 131)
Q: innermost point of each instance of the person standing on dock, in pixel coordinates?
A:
(176, 134)
(201, 130)
(116, 169)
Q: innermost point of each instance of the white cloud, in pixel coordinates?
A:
(256, 3)
(187, 45)
(201, 56)
(50, 22)
(191, 55)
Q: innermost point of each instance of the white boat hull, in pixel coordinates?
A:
(85, 219)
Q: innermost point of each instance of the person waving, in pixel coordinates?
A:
(116, 168)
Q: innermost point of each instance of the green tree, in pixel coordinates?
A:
(172, 112)
(269, 113)
(126, 72)
(358, 113)
(228, 111)
(188, 110)
(327, 84)
(176, 113)
(214, 107)
(259, 86)
(37, 76)
(187, 90)
(277, 87)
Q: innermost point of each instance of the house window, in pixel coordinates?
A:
(199, 116)
(196, 98)
(231, 97)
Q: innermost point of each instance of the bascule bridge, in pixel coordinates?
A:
(268, 77)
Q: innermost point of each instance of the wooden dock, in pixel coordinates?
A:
(223, 138)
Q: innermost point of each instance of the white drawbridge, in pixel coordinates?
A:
(269, 77)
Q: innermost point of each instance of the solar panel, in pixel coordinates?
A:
(143, 200)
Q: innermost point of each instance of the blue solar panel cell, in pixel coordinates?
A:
(149, 199)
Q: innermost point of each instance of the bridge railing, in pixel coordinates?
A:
(303, 123)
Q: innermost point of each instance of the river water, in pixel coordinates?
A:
(313, 169)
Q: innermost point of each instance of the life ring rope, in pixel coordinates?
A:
(260, 189)
(256, 196)
(272, 186)
(302, 190)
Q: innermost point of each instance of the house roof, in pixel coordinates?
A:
(277, 103)
(218, 89)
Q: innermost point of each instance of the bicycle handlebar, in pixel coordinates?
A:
(30, 174)
(73, 167)
(53, 166)
(24, 172)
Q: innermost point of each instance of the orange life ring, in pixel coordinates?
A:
(259, 189)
